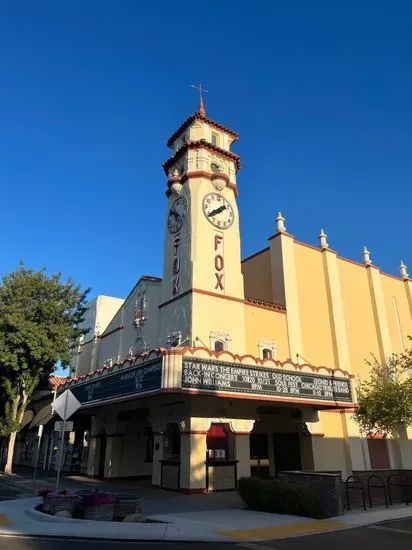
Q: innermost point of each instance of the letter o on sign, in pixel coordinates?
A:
(219, 263)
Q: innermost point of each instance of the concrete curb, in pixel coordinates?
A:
(162, 530)
(41, 516)
(194, 527)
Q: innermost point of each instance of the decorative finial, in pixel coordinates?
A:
(323, 240)
(366, 256)
(403, 270)
(280, 222)
(201, 105)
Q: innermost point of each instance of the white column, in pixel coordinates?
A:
(94, 448)
(242, 429)
(159, 430)
(193, 432)
(113, 455)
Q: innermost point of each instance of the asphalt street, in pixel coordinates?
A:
(394, 534)
(59, 544)
(8, 492)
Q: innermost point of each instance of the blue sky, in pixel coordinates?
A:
(320, 93)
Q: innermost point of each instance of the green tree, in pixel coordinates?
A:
(385, 399)
(405, 359)
(39, 326)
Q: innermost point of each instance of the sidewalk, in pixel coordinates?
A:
(226, 525)
(214, 517)
(156, 501)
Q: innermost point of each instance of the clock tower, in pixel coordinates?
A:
(202, 293)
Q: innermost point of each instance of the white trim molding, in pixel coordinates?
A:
(224, 337)
(267, 344)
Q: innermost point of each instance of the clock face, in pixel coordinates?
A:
(218, 210)
(177, 214)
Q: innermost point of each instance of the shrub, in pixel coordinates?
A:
(97, 499)
(57, 493)
(280, 497)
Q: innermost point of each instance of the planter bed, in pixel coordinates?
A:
(68, 504)
(80, 516)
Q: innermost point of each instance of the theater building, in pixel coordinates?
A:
(226, 367)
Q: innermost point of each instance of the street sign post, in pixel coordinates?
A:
(58, 426)
(65, 405)
(39, 436)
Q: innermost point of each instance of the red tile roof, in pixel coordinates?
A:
(199, 116)
(265, 305)
(196, 145)
(56, 381)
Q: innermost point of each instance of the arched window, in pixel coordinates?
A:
(219, 345)
(267, 349)
(214, 167)
(219, 341)
(267, 353)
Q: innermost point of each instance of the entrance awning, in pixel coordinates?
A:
(28, 417)
(43, 416)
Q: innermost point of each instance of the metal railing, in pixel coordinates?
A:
(350, 485)
(381, 485)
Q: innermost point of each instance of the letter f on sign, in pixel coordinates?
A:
(218, 240)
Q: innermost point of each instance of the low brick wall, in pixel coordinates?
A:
(328, 487)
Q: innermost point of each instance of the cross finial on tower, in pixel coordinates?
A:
(201, 90)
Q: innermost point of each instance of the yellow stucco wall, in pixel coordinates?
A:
(359, 317)
(313, 307)
(217, 314)
(264, 324)
(257, 277)
(329, 451)
(396, 301)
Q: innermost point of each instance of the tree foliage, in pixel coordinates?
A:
(385, 399)
(39, 326)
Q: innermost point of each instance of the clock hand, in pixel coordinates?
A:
(217, 210)
(173, 213)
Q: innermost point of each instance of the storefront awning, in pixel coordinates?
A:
(43, 416)
(27, 418)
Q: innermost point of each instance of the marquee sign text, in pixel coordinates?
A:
(129, 381)
(231, 377)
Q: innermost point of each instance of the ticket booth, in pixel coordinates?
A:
(221, 466)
